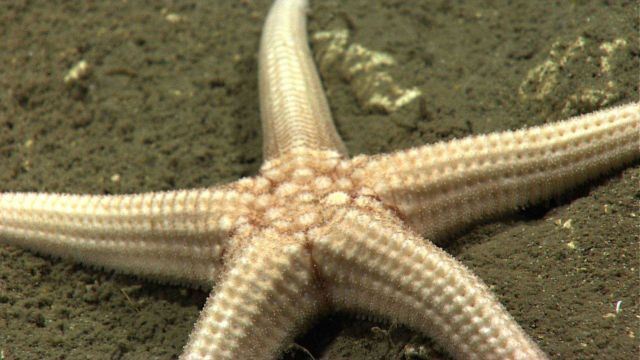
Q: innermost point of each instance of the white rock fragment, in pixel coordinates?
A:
(77, 72)
(552, 76)
(173, 18)
(364, 69)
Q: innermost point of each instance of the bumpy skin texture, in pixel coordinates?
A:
(176, 236)
(293, 107)
(444, 187)
(316, 230)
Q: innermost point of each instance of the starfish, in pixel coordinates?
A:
(316, 231)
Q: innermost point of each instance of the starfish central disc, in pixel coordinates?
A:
(301, 191)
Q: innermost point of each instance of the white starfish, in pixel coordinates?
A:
(317, 230)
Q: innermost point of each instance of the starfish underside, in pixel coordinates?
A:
(316, 230)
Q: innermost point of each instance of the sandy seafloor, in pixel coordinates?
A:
(174, 104)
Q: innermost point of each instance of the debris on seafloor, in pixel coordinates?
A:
(364, 69)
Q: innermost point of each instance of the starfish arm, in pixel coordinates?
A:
(440, 189)
(293, 107)
(176, 236)
(372, 264)
(267, 295)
